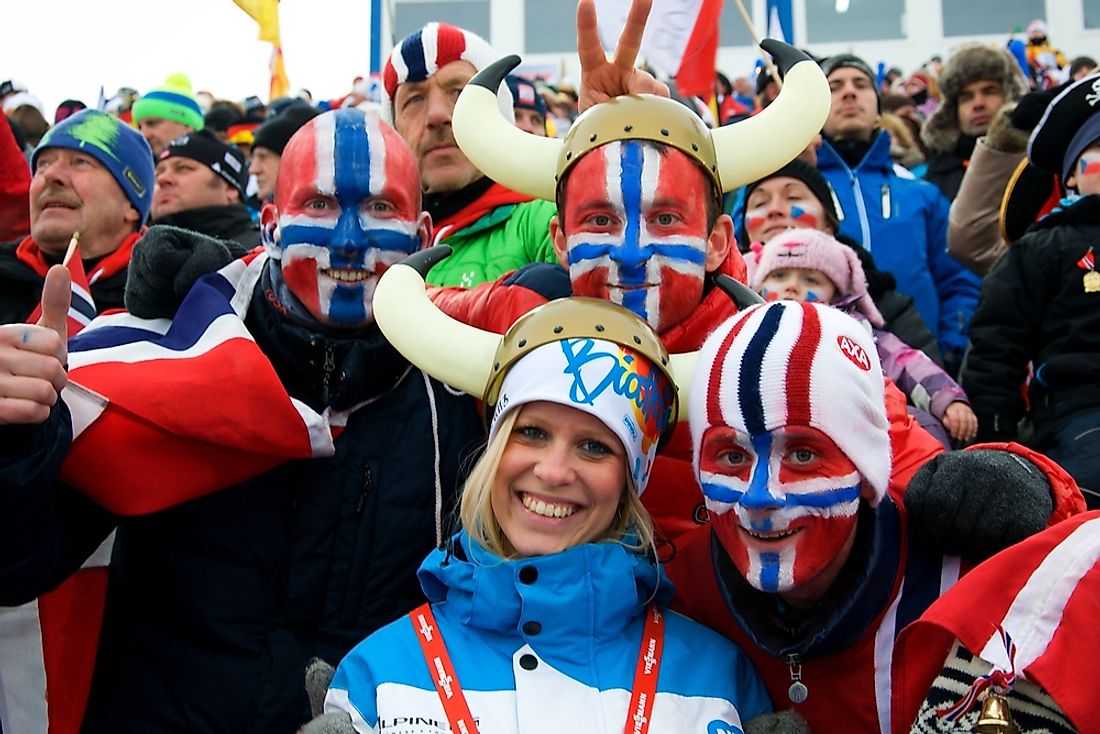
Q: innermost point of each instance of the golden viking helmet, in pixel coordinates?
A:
(732, 155)
(475, 361)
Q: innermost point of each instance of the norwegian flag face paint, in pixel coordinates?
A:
(779, 204)
(790, 437)
(786, 501)
(636, 230)
(348, 207)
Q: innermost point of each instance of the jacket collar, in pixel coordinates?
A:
(587, 593)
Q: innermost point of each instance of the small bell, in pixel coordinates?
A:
(995, 717)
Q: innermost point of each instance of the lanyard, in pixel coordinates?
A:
(638, 713)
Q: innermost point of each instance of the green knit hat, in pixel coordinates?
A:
(173, 101)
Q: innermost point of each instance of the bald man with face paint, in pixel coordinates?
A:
(275, 470)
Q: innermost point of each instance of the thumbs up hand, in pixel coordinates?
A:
(33, 356)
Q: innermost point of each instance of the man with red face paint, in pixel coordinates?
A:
(640, 223)
(811, 562)
(275, 470)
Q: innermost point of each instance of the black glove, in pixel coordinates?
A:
(996, 428)
(976, 503)
(166, 262)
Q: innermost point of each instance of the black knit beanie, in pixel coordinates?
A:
(276, 132)
(814, 181)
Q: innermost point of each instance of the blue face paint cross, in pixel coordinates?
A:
(640, 239)
(349, 207)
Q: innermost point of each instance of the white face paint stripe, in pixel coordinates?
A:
(1037, 610)
(324, 154)
(375, 139)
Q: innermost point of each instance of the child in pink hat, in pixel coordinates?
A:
(808, 265)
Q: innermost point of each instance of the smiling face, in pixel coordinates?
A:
(787, 503)
(634, 230)
(560, 479)
(779, 204)
(347, 206)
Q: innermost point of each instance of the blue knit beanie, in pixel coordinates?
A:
(120, 148)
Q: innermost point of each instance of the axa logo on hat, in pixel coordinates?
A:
(723, 727)
(854, 352)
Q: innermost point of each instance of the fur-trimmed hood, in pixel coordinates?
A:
(941, 132)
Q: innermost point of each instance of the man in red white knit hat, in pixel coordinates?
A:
(492, 230)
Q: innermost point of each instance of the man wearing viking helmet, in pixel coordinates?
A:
(638, 181)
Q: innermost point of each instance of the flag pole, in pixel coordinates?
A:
(773, 72)
(72, 248)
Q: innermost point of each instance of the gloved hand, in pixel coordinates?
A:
(318, 677)
(785, 722)
(329, 724)
(547, 279)
(166, 262)
(976, 503)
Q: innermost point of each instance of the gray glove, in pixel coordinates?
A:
(1003, 135)
(318, 677)
(166, 262)
(785, 722)
(976, 503)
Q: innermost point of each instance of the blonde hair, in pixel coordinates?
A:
(475, 510)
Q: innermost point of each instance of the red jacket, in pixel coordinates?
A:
(847, 657)
(15, 185)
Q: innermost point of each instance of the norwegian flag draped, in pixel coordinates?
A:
(187, 406)
(680, 41)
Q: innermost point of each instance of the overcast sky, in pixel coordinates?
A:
(68, 48)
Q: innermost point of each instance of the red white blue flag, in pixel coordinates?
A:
(178, 409)
(82, 307)
(680, 41)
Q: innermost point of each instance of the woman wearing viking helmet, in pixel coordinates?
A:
(546, 609)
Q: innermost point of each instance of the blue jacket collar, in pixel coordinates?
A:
(589, 592)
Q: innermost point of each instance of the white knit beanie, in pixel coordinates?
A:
(789, 363)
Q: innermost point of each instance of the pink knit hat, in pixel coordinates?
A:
(810, 249)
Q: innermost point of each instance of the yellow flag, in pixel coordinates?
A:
(280, 85)
(266, 13)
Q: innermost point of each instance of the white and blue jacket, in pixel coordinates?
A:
(546, 644)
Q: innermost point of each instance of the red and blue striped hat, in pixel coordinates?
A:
(791, 363)
(426, 51)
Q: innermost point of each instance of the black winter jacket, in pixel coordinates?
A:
(215, 606)
(229, 222)
(1035, 307)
